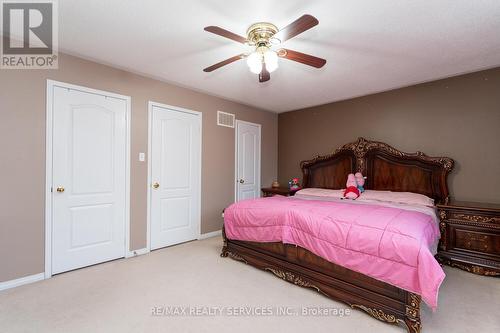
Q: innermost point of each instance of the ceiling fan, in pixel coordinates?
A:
(263, 36)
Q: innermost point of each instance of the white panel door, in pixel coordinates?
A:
(89, 178)
(247, 160)
(175, 176)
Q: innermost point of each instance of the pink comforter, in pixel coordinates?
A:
(389, 244)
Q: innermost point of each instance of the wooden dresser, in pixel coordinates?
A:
(470, 236)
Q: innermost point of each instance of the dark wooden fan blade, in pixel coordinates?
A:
(224, 63)
(302, 24)
(303, 58)
(264, 74)
(224, 33)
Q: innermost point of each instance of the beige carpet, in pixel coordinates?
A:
(119, 296)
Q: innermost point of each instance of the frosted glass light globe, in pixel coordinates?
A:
(271, 60)
(254, 62)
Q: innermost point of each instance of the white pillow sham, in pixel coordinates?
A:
(408, 198)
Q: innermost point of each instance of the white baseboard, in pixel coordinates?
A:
(210, 234)
(24, 280)
(135, 253)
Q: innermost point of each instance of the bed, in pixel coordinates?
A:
(387, 169)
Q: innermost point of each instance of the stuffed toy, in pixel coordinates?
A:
(294, 184)
(351, 191)
(360, 181)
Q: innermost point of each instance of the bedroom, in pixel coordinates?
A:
(120, 154)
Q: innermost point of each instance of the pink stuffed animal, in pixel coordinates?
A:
(351, 191)
(360, 181)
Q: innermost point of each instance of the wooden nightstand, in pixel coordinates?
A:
(272, 191)
(470, 236)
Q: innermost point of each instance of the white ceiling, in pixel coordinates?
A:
(370, 46)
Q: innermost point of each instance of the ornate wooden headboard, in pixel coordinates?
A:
(386, 168)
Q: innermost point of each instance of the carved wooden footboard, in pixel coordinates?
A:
(303, 268)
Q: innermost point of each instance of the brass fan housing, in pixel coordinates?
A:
(261, 33)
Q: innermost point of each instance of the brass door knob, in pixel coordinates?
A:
(156, 185)
(241, 181)
(60, 189)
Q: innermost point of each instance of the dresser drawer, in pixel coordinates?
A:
(474, 240)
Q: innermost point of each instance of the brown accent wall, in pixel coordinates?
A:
(457, 117)
(22, 148)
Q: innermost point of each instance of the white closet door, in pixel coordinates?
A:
(247, 160)
(89, 178)
(175, 176)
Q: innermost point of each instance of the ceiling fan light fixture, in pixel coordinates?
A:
(262, 55)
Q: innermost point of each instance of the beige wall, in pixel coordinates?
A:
(22, 149)
(457, 117)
